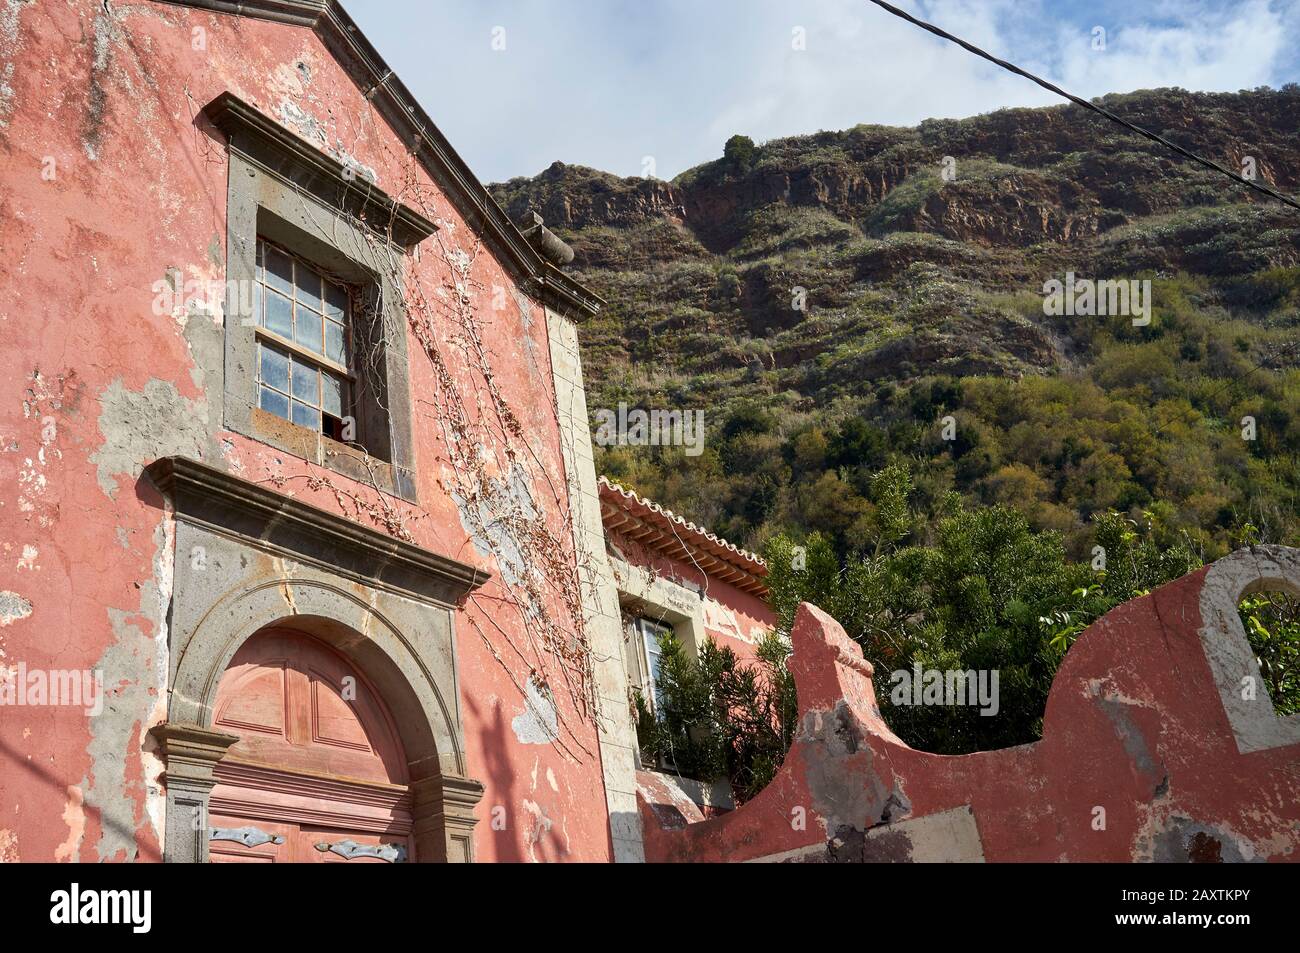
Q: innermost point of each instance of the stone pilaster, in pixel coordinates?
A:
(444, 818)
(190, 754)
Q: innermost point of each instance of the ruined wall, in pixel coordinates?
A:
(1159, 743)
(111, 181)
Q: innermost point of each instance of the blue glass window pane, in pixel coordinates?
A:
(336, 301)
(279, 314)
(275, 368)
(305, 383)
(334, 342)
(307, 331)
(331, 389)
(306, 416)
(307, 283)
(257, 302)
(279, 270)
(275, 403)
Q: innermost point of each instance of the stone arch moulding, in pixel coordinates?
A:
(1255, 724)
(248, 558)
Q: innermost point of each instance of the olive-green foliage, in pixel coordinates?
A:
(975, 588)
(1272, 622)
(720, 717)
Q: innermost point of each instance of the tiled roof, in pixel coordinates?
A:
(651, 525)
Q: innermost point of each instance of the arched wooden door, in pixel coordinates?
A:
(318, 775)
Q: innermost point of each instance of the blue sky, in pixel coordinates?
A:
(657, 86)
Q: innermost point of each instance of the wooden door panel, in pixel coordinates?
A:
(318, 760)
(256, 701)
(297, 704)
(332, 719)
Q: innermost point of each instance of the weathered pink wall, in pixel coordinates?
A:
(96, 386)
(1145, 721)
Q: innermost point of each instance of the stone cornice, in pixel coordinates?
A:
(205, 496)
(264, 141)
(380, 85)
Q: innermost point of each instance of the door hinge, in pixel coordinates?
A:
(350, 849)
(248, 836)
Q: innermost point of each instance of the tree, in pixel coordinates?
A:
(718, 716)
(739, 152)
(986, 593)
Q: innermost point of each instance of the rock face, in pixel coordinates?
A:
(574, 197)
(908, 242)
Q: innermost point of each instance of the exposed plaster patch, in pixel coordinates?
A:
(490, 518)
(540, 827)
(139, 427)
(231, 455)
(1184, 840)
(359, 168)
(847, 792)
(950, 836)
(309, 127)
(28, 561)
(313, 130)
(105, 33)
(9, 19)
(538, 722)
(12, 608)
(8, 847)
(74, 815)
(724, 619)
(133, 688)
(1131, 736)
(6, 95)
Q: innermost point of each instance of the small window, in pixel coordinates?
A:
(304, 324)
(650, 634)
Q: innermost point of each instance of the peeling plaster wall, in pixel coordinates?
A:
(111, 182)
(1140, 760)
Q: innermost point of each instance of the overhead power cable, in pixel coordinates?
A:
(1101, 111)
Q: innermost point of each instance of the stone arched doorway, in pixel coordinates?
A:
(319, 774)
(250, 560)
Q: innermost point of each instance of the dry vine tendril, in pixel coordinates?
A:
(491, 469)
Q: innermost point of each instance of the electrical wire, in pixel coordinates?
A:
(1101, 111)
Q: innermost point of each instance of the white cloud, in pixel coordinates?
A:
(605, 84)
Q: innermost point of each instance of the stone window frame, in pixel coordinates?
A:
(283, 189)
(647, 595)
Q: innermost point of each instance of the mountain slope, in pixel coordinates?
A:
(922, 297)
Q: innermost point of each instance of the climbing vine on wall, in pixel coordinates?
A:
(492, 470)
